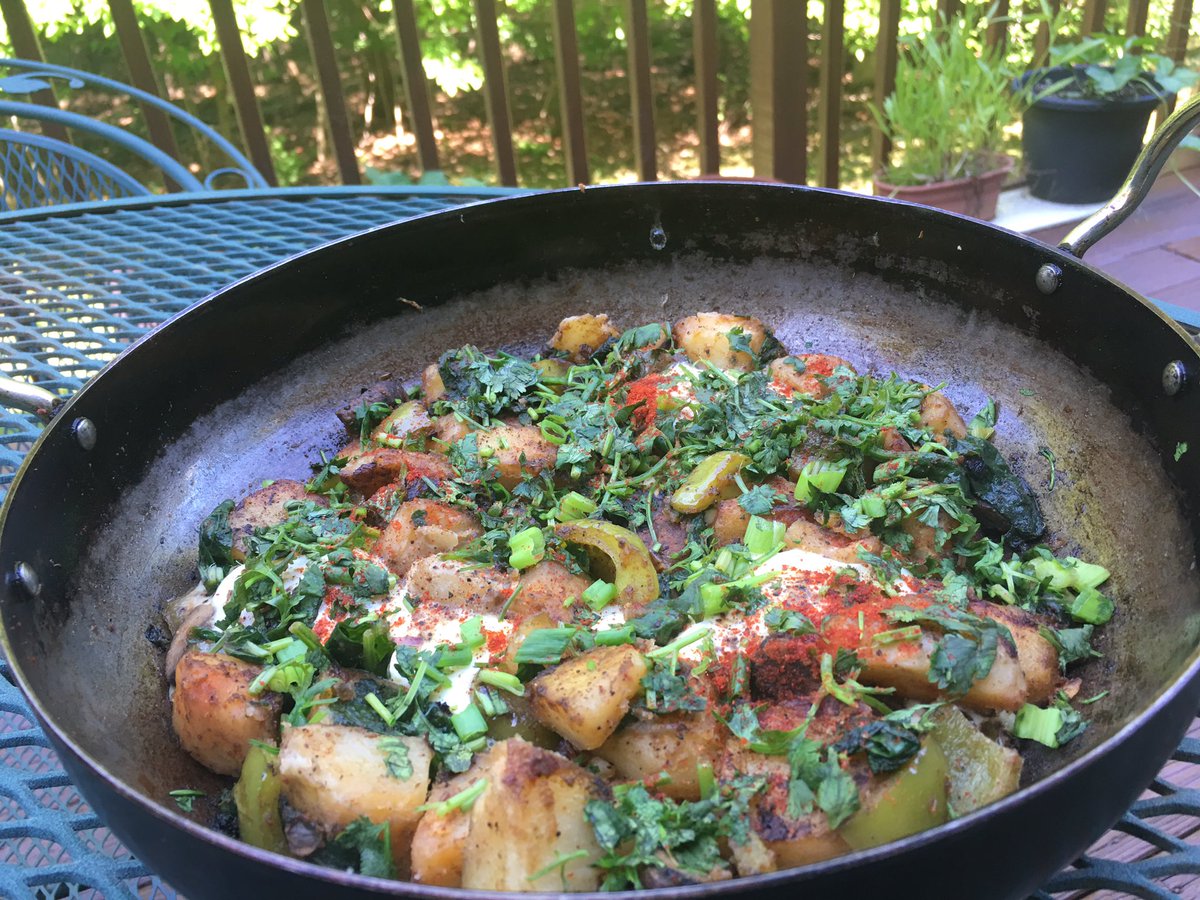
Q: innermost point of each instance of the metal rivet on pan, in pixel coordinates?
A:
(1174, 377)
(1049, 277)
(27, 579)
(658, 237)
(84, 430)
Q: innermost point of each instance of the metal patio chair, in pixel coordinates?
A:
(47, 168)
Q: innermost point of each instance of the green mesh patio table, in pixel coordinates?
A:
(79, 283)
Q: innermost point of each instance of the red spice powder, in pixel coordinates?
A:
(783, 388)
(497, 642)
(643, 395)
(817, 364)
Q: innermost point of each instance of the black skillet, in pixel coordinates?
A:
(99, 526)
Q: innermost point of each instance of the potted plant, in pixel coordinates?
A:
(946, 121)
(1086, 114)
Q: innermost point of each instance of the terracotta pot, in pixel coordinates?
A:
(971, 196)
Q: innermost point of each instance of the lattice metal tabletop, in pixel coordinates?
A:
(77, 284)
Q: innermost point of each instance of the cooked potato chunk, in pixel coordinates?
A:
(265, 507)
(939, 416)
(215, 715)
(584, 699)
(455, 583)
(423, 528)
(673, 745)
(705, 336)
(447, 430)
(531, 815)
(545, 588)
(1037, 657)
(370, 471)
(440, 840)
(515, 450)
(807, 373)
(904, 665)
(828, 540)
(580, 336)
(408, 420)
(791, 841)
(432, 386)
(333, 774)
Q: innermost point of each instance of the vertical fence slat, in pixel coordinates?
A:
(566, 54)
(1135, 21)
(704, 52)
(237, 72)
(778, 89)
(1177, 36)
(637, 34)
(832, 60)
(23, 37)
(141, 74)
(948, 9)
(1041, 39)
(1093, 17)
(997, 29)
(886, 53)
(320, 44)
(495, 93)
(416, 91)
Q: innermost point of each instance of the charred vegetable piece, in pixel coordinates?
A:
(257, 797)
(903, 803)
(633, 571)
(980, 770)
(709, 482)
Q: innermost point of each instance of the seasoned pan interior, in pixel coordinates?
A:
(209, 424)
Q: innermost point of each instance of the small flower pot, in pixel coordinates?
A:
(1081, 149)
(970, 196)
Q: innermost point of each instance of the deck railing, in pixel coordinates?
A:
(779, 109)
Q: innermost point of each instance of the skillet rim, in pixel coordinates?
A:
(1189, 673)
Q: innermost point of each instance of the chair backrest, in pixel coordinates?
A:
(50, 168)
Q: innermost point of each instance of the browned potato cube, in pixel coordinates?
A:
(580, 336)
(265, 507)
(333, 774)
(515, 450)
(531, 815)
(545, 588)
(939, 416)
(705, 336)
(440, 839)
(423, 528)
(674, 745)
(585, 698)
(215, 715)
(370, 471)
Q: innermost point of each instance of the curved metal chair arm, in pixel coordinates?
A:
(42, 171)
(34, 76)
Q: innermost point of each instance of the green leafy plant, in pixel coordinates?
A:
(1107, 67)
(947, 115)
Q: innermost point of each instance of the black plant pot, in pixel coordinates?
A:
(1080, 150)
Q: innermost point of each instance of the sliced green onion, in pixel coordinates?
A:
(706, 780)
(305, 634)
(575, 506)
(1091, 607)
(554, 432)
(382, 711)
(1069, 573)
(455, 657)
(872, 505)
(502, 680)
(545, 646)
(613, 637)
(896, 635)
(690, 636)
(526, 548)
(462, 800)
(472, 632)
(599, 594)
(1036, 724)
(763, 535)
(469, 722)
(712, 599)
(819, 475)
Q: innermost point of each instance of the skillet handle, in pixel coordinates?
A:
(30, 398)
(1137, 185)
